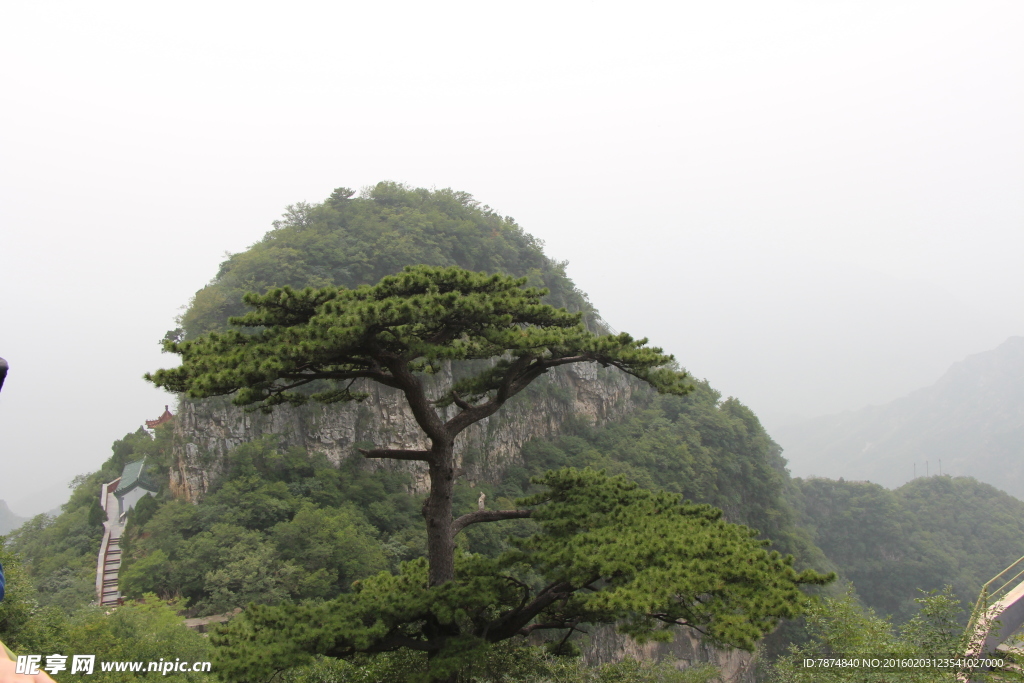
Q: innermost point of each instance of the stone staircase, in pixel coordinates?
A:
(108, 563)
(111, 565)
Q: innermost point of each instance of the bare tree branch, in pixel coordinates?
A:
(526, 591)
(460, 402)
(572, 627)
(527, 630)
(487, 516)
(520, 368)
(676, 622)
(514, 621)
(377, 376)
(396, 454)
(422, 410)
(281, 388)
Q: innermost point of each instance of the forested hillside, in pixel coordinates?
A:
(285, 525)
(280, 521)
(922, 536)
(282, 524)
(351, 241)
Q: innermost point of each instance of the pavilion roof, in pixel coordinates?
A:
(166, 417)
(132, 476)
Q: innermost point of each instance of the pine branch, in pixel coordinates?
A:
(487, 516)
(396, 454)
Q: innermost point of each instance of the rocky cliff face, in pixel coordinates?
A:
(207, 430)
(605, 644)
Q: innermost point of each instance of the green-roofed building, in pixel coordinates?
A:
(132, 486)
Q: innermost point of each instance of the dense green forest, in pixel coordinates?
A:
(287, 525)
(929, 533)
(284, 525)
(234, 547)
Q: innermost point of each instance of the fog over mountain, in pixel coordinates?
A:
(970, 422)
(805, 340)
(816, 206)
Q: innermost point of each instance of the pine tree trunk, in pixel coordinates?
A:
(438, 513)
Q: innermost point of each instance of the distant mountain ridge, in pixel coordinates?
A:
(972, 420)
(8, 520)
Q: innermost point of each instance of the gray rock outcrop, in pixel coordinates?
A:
(207, 430)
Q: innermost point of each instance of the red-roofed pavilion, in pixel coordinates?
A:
(166, 417)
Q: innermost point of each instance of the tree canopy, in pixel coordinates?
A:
(606, 551)
(392, 333)
(350, 240)
(405, 324)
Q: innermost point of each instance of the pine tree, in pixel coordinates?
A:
(609, 551)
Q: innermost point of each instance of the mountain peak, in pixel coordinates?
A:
(971, 420)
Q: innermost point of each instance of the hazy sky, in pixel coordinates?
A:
(816, 205)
